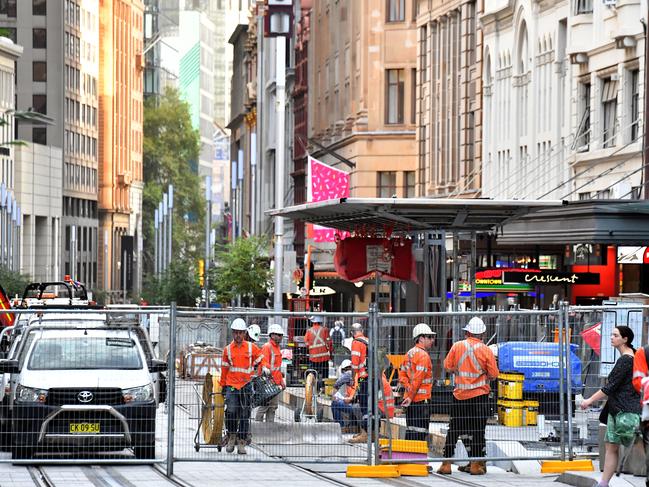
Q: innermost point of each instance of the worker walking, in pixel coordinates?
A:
(474, 365)
(416, 376)
(239, 362)
(320, 348)
(273, 356)
(359, 372)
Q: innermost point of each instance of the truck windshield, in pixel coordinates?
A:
(85, 353)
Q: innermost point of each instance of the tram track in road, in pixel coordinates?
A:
(40, 477)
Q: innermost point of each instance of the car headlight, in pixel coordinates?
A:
(28, 394)
(138, 394)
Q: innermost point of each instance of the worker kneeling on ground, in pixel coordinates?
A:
(416, 376)
(273, 356)
(474, 365)
(342, 402)
(238, 365)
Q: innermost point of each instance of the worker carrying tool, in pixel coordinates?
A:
(320, 348)
(239, 363)
(359, 372)
(416, 377)
(474, 365)
(273, 356)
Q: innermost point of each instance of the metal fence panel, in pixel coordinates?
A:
(301, 430)
(82, 384)
(521, 409)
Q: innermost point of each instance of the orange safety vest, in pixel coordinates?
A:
(273, 355)
(238, 364)
(359, 356)
(416, 374)
(474, 365)
(318, 341)
(386, 397)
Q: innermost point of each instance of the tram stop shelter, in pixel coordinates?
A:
(430, 222)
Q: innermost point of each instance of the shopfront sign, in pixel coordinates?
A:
(545, 278)
(492, 280)
(633, 255)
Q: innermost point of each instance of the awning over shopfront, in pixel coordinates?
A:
(621, 222)
(415, 214)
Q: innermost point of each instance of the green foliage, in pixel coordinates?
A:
(170, 146)
(14, 283)
(241, 268)
(179, 283)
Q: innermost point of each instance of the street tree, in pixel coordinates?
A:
(171, 149)
(242, 269)
(13, 282)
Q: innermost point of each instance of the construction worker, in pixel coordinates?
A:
(273, 356)
(416, 376)
(320, 348)
(341, 402)
(474, 365)
(359, 372)
(238, 365)
(386, 398)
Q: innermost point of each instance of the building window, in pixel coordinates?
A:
(39, 38)
(409, 184)
(8, 8)
(39, 7)
(396, 10)
(609, 112)
(584, 196)
(39, 71)
(39, 135)
(635, 104)
(583, 7)
(39, 103)
(394, 96)
(386, 184)
(583, 131)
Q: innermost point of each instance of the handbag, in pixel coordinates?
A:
(603, 415)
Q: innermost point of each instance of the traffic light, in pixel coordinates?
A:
(201, 272)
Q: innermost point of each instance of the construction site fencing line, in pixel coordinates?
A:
(548, 362)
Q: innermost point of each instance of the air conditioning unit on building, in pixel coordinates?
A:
(609, 3)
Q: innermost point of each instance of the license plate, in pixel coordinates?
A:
(84, 427)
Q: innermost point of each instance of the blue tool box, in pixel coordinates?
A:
(539, 362)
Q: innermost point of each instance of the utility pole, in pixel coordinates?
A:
(208, 227)
(156, 249)
(170, 207)
(280, 107)
(645, 140)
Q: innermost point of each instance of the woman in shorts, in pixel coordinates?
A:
(623, 402)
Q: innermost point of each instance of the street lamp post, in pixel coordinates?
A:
(156, 241)
(170, 207)
(208, 226)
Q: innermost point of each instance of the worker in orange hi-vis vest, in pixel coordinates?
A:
(359, 371)
(474, 365)
(320, 348)
(273, 356)
(416, 376)
(239, 364)
(386, 398)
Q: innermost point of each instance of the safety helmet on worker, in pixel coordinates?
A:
(238, 325)
(421, 329)
(275, 328)
(357, 327)
(476, 326)
(254, 332)
(317, 319)
(346, 364)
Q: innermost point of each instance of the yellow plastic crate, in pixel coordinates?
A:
(406, 446)
(413, 470)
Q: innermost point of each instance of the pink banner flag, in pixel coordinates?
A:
(325, 183)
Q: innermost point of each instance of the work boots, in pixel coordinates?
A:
(232, 440)
(241, 447)
(445, 468)
(360, 437)
(478, 468)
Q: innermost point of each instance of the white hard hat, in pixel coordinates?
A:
(345, 364)
(357, 327)
(422, 329)
(476, 326)
(275, 328)
(255, 332)
(316, 319)
(239, 325)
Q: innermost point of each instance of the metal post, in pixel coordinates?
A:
(371, 373)
(10, 247)
(106, 259)
(73, 251)
(156, 249)
(240, 185)
(165, 213)
(170, 207)
(171, 389)
(19, 218)
(280, 86)
(562, 382)
(566, 316)
(233, 198)
(3, 232)
(472, 270)
(253, 183)
(162, 237)
(374, 377)
(208, 225)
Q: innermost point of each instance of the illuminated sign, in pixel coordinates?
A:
(492, 279)
(538, 277)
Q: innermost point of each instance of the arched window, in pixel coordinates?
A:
(523, 64)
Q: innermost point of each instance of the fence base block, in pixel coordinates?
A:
(413, 470)
(373, 471)
(558, 466)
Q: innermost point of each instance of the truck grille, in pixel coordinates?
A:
(60, 397)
